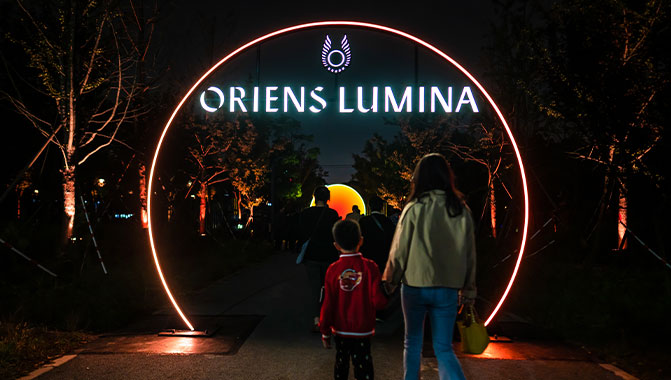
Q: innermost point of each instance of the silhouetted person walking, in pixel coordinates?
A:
(315, 225)
(378, 231)
(355, 215)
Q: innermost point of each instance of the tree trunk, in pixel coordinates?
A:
(251, 217)
(69, 170)
(621, 215)
(143, 196)
(140, 76)
(492, 208)
(69, 200)
(203, 208)
(18, 204)
(238, 199)
(603, 202)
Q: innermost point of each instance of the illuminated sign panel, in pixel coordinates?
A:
(383, 99)
(231, 95)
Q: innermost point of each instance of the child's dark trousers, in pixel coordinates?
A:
(358, 349)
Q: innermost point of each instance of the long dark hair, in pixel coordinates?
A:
(433, 172)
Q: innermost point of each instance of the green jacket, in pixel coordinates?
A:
(430, 248)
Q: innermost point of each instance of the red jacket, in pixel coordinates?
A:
(352, 294)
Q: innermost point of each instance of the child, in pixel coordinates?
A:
(352, 294)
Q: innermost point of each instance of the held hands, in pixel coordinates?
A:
(388, 288)
(326, 341)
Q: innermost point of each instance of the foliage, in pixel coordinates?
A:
(592, 77)
(247, 154)
(23, 347)
(380, 167)
(212, 140)
(606, 75)
(386, 168)
(296, 173)
(250, 164)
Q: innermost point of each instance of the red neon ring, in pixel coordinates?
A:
(354, 24)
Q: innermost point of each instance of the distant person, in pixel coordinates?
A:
(394, 215)
(315, 225)
(352, 294)
(433, 256)
(377, 231)
(355, 215)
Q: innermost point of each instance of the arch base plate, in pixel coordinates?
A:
(188, 333)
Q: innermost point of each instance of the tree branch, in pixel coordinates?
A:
(39, 30)
(116, 101)
(93, 56)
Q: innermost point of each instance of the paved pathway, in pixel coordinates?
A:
(282, 348)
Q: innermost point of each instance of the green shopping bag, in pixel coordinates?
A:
(474, 337)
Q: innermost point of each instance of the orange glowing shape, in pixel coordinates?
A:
(343, 198)
(355, 24)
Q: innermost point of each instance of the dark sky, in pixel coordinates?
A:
(192, 36)
(458, 27)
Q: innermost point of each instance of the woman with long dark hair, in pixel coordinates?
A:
(433, 257)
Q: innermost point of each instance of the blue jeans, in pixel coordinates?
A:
(441, 305)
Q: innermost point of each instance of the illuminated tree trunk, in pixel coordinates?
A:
(251, 216)
(608, 181)
(143, 196)
(622, 216)
(18, 204)
(69, 200)
(239, 202)
(21, 187)
(492, 208)
(203, 207)
(621, 199)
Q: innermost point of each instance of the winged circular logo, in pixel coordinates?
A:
(336, 60)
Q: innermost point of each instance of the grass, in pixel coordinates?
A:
(23, 347)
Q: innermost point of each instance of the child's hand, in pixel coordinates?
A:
(388, 288)
(326, 341)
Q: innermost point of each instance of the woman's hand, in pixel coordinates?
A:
(466, 301)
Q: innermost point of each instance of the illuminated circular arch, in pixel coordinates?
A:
(344, 24)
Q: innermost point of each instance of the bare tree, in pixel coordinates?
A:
(83, 80)
(611, 85)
